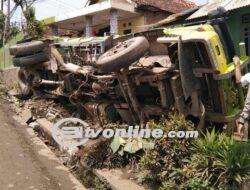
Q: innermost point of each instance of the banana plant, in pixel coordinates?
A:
(130, 145)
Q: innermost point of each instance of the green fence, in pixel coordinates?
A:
(5, 57)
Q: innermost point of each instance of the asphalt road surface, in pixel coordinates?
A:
(20, 166)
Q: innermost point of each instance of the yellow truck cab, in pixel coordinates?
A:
(201, 45)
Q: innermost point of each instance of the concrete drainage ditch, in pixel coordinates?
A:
(103, 179)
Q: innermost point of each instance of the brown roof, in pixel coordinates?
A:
(173, 6)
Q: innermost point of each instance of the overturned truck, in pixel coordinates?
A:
(135, 78)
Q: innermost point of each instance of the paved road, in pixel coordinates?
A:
(21, 167)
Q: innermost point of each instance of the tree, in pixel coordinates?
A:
(2, 26)
(24, 4)
(2, 21)
(33, 26)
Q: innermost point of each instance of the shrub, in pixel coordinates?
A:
(214, 161)
(34, 27)
(221, 161)
(165, 162)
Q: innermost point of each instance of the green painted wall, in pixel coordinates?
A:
(234, 23)
(5, 57)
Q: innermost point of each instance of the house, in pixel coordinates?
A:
(234, 16)
(100, 17)
(237, 19)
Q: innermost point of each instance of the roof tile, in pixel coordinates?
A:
(173, 6)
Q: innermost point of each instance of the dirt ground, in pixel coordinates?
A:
(20, 167)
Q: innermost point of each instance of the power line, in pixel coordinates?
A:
(66, 4)
(55, 3)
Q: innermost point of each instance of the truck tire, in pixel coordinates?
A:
(123, 54)
(30, 59)
(27, 48)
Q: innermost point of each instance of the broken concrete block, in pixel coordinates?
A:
(50, 116)
(34, 125)
(72, 151)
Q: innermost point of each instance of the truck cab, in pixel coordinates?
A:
(204, 67)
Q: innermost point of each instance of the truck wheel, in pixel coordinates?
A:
(24, 91)
(27, 48)
(30, 59)
(123, 54)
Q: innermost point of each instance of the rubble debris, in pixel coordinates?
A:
(34, 125)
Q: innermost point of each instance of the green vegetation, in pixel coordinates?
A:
(2, 25)
(34, 27)
(214, 161)
(165, 163)
(2, 19)
(5, 58)
(221, 162)
(131, 145)
(9, 33)
(89, 179)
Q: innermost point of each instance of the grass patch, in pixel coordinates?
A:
(5, 57)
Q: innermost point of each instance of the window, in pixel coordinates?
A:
(199, 55)
(246, 31)
(246, 18)
(246, 35)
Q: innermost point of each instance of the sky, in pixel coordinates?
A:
(200, 2)
(48, 8)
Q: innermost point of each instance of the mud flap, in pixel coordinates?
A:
(198, 110)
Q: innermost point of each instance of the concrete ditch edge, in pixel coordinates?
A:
(112, 177)
(66, 179)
